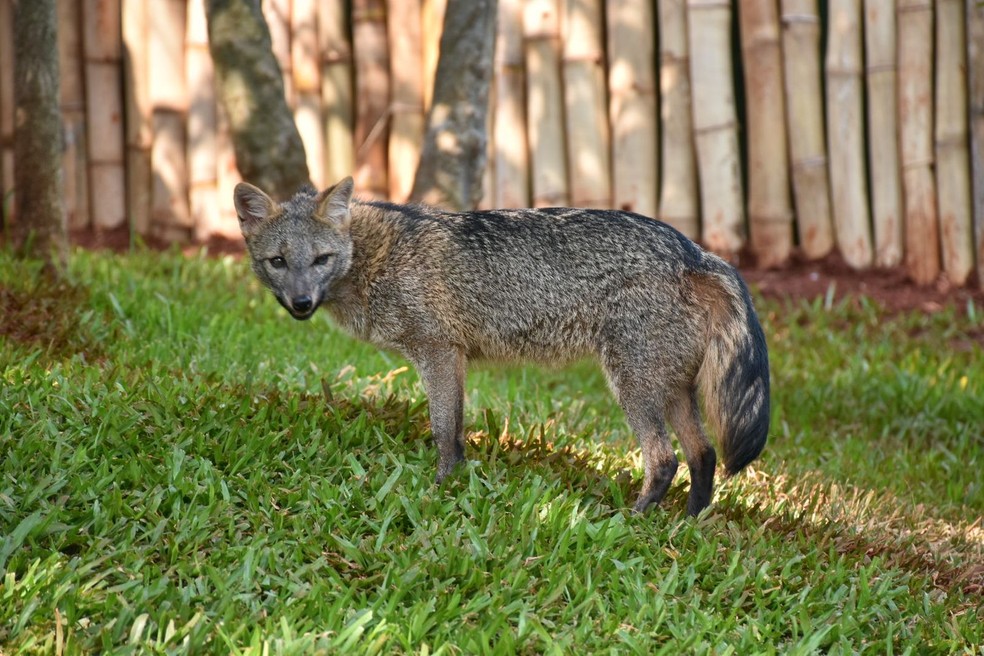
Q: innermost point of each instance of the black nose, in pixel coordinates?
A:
(302, 303)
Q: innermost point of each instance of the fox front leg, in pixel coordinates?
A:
(442, 370)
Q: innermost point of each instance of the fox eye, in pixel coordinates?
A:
(278, 262)
(322, 259)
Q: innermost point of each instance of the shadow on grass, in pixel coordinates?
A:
(46, 314)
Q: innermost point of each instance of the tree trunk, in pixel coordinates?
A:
(37, 138)
(269, 151)
(454, 152)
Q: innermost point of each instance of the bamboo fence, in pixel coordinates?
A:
(805, 126)
(773, 128)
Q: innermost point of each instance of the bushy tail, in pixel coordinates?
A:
(734, 376)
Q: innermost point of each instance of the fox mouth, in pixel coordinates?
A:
(303, 313)
(302, 316)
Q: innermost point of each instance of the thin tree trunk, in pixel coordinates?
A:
(589, 150)
(269, 150)
(37, 141)
(975, 73)
(845, 120)
(75, 175)
(715, 125)
(883, 143)
(632, 106)
(804, 117)
(336, 89)
(769, 211)
(952, 157)
(454, 152)
(915, 105)
(678, 204)
(511, 188)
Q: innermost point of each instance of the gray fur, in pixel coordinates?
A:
(661, 315)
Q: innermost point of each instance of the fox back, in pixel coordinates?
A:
(547, 285)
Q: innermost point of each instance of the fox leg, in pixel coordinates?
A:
(442, 370)
(644, 412)
(701, 459)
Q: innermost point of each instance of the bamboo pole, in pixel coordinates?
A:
(432, 26)
(203, 201)
(678, 194)
(848, 186)
(7, 206)
(915, 60)
(102, 43)
(589, 160)
(545, 110)
(277, 15)
(509, 139)
(769, 211)
(75, 175)
(227, 173)
(952, 156)
(171, 218)
(336, 89)
(632, 106)
(975, 74)
(306, 69)
(372, 89)
(139, 127)
(804, 118)
(883, 144)
(715, 125)
(407, 75)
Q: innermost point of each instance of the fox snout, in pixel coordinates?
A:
(301, 307)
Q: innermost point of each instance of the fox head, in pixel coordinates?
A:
(301, 248)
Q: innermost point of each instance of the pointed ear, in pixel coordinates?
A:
(333, 203)
(253, 207)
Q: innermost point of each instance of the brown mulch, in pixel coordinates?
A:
(800, 278)
(891, 288)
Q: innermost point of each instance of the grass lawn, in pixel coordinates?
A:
(186, 469)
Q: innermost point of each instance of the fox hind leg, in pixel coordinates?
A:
(644, 412)
(684, 415)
